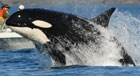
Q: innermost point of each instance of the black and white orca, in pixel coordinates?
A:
(65, 36)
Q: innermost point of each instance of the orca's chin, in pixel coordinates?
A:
(33, 34)
(10, 26)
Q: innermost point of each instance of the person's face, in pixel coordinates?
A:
(5, 8)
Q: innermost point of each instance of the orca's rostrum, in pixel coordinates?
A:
(70, 39)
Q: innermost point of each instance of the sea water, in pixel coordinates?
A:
(125, 24)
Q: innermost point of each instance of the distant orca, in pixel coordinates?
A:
(61, 32)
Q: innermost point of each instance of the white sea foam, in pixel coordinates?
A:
(105, 53)
(126, 28)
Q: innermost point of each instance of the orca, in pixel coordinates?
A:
(62, 35)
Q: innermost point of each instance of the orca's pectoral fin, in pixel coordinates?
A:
(103, 19)
(58, 56)
(126, 59)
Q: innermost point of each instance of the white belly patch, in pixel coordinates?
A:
(34, 34)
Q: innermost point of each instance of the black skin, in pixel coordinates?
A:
(55, 54)
(66, 27)
(126, 59)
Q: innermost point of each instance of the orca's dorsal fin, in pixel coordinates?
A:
(103, 19)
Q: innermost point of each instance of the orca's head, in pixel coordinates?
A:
(27, 18)
(20, 19)
(28, 24)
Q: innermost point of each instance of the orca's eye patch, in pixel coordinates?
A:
(42, 24)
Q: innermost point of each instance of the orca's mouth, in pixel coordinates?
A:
(10, 26)
(14, 24)
(9, 23)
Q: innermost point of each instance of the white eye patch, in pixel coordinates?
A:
(42, 24)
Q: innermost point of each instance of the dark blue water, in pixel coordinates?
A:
(29, 62)
(125, 24)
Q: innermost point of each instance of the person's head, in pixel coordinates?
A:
(21, 7)
(5, 7)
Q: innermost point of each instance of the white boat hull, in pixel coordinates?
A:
(14, 41)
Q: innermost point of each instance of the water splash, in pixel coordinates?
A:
(126, 28)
